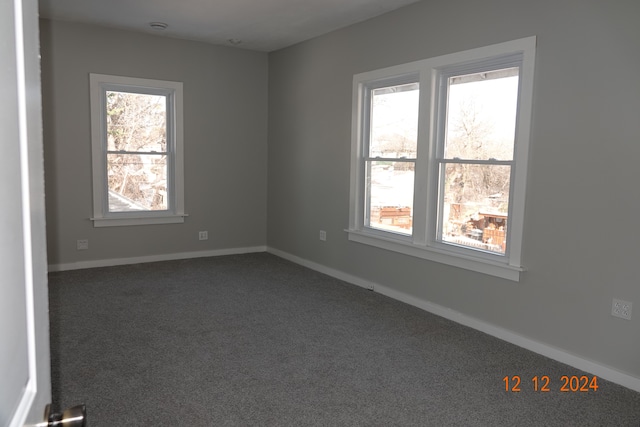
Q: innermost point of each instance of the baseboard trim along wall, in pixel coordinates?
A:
(557, 354)
(154, 258)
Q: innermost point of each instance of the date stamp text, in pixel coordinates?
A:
(544, 384)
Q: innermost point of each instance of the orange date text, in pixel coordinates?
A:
(543, 384)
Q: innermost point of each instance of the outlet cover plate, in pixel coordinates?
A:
(82, 244)
(203, 235)
(323, 235)
(621, 309)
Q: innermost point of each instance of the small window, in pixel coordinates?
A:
(439, 157)
(136, 150)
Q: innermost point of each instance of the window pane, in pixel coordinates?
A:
(136, 122)
(137, 182)
(390, 195)
(394, 121)
(476, 205)
(481, 115)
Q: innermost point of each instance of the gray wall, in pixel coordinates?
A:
(582, 230)
(225, 141)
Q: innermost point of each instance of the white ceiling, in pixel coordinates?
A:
(264, 25)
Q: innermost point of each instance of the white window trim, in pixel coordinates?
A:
(423, 243)
(175, 213)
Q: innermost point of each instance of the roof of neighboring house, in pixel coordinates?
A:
(494, 214)
(120, 203)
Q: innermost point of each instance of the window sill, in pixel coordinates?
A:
(467, 262)
(137, 220)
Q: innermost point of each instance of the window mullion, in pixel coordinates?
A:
(423, 188)
(390, 159)
(151, 153)
(476, 162)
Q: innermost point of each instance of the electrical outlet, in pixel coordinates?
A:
(323, 235)
(203, 235)
(621, 309)
(82, 244)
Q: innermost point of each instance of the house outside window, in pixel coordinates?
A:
(439, 157)
(137, 152)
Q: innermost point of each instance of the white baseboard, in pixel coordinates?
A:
(153, 258)
(551, 352)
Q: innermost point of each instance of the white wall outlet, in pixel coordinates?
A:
(203, 235)
(621, 309)
(323, 235)
(82, 244)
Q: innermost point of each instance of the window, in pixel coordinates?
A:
(136, 151)
(439, 157)
(390, 160)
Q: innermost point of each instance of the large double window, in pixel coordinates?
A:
(137, 151)
(439, 157)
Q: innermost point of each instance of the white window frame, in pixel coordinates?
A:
(424, 242)
(99, 85)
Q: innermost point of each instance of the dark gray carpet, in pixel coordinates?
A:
(254, 340)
